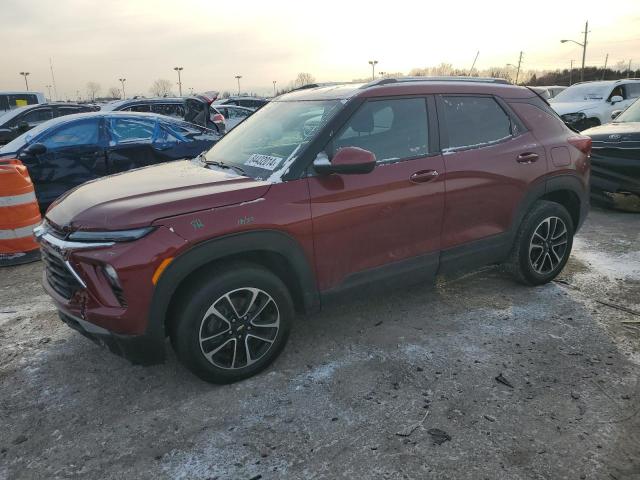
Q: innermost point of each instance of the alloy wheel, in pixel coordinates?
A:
(239, 328)
(548, 245)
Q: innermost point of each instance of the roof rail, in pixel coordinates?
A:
(387, 81)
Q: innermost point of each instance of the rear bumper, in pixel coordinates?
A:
(138, 349)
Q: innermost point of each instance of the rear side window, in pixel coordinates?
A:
(633, 90)
(169, 109)
(474, 121)
(391, 129)
(139, 108)
(131, 130)
(75, 134)
(62, 111)
(21, 100)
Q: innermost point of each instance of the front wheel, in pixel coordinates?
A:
(543, 244)
(234, 325)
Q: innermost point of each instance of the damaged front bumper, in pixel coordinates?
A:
(615, 177)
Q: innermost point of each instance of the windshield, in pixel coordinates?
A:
(631, 114)
(267, 141)
(583, 93)
(19, 142)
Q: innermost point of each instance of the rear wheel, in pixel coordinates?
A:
(234, 325)
(543, 244)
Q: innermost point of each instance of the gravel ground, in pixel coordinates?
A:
(395, 386)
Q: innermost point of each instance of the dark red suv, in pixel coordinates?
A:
(321, 191)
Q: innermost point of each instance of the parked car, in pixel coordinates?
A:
(280, 216)
(62, 153)
(253, 103)
(548, 92)
(233, 114)
(11, 100)
(22, 119)
(615, 160)
(589, 104)
(176, 107)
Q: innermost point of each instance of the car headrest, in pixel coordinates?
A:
(362, 121)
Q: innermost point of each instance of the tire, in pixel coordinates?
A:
(211, 336)
(541, 249)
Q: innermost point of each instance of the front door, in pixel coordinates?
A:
(390, 217)
(75, 154)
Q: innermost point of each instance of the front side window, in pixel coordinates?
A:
(75, 134)
(263, 143)
(474, 121)
(391, 129)
(125, 130)
(169, 109)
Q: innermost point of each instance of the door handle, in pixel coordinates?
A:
(424, 176)
(528, 157)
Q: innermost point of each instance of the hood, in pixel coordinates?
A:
(563, 108)
(137, 198)
(614, 134)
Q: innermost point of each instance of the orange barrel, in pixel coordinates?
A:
(19, 215)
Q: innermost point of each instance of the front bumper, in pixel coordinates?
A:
(138, 349)
(118, 318)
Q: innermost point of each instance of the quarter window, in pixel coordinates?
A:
(475, 121)
(391, 129)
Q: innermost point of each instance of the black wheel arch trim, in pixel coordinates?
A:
(182, 266)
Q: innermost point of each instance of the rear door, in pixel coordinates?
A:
(390, 217)
(491, 163)
(75, 154)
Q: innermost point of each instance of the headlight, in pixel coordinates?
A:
(113, 236)
(573, 117)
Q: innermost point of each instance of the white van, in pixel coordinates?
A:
(11, 100)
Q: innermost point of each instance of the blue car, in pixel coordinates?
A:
(65, 152)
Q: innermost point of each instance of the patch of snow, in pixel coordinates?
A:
(623, 265)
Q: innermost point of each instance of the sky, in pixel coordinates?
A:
(143, 40)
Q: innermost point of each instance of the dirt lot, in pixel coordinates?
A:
(421, 362)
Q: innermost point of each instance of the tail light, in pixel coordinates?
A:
(218, 118)
(582, 143)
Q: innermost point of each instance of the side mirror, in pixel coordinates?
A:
(615, 114)
(347, 160)
(35, 149)
(616, 99)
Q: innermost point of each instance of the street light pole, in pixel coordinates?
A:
(571, 74)
(25, 75)
(238, 77)
(373, 64)
(584, 48)
(179, 69)
(274, 88)
(122, 80)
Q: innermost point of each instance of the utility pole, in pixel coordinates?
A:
(474, 63)
(179, 69)
(518, 71)
(571, 74)
(274, 88)
(606, 59)
(53, 80)
(238, 77)
(629, 71)
(584, 48)
(122, 80)
(373, 64)
(49, 88)
(25, 75)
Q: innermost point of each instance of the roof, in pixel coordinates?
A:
(410, 86)
(116, 104)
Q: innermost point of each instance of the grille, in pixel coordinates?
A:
(622, 153)
(58, 275)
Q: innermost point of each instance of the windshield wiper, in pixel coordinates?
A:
(221, 164)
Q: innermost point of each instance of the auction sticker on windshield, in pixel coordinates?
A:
(263, 161)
